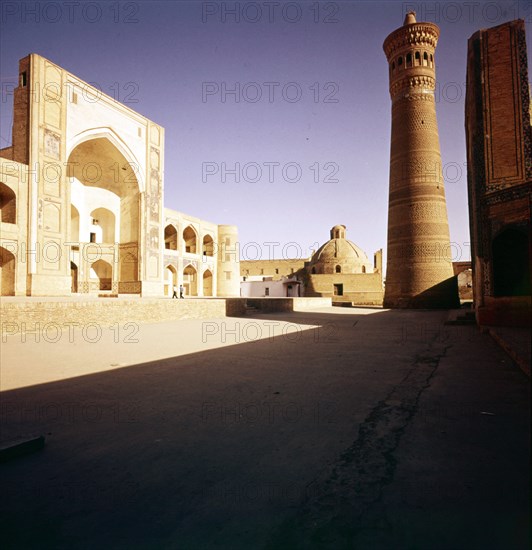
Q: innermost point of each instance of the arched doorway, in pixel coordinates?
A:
(7, 272)
(103, 225)
(170, 237)
(190, 281)
(101, 273)
(190, 239)
(74, 277)
(207, 283)
(8, 204)
(170, 279)
(511, 263)
(100, 174)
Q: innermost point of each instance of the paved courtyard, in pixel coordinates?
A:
(332, 428)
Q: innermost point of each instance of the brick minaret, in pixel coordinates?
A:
(419, 268)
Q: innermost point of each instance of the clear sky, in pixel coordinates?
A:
(309, 125)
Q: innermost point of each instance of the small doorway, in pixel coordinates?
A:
(511, 263)
(338, 290)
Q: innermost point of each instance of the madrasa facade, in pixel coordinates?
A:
(81, 201)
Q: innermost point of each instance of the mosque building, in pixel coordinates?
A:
(339, 269)
(81, 201)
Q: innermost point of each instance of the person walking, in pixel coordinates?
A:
(181, 289)
(174, 295)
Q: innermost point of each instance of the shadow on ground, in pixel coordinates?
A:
(382, 430)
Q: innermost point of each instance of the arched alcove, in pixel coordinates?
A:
(8, 204)
(102, 271)
(190, 239)
(190, 280)
(208, 245)
(511, 263)
(74, 224)
(170, 279)
(170, 237)
(207, 283)
(7, 272)
(104, 221)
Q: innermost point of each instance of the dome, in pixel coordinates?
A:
(340, 249)
(338, 255)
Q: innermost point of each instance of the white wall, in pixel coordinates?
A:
(86, 199)
(103, 113)
(257, 289)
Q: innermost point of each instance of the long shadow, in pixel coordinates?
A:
(213, 449)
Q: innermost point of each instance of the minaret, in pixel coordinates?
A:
(419, 270)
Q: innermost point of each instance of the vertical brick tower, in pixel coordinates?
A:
(419, 268)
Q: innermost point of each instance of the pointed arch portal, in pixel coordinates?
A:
(102, 162)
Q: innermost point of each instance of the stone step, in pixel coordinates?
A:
(461, 318)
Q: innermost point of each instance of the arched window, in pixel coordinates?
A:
(409, 60)
(425, 59)
(363, 269)
(431, 60)
(400, 61)
(417, 59)
(338, 269)
(170, 237)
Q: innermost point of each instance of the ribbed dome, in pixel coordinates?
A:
(338, 255)
(340, 249)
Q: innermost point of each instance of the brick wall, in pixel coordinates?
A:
(105, 312)
(24, 316)
(267, 268)
(359, 288)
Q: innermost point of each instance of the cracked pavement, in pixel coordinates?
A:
(349, 428)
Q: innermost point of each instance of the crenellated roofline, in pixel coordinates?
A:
(413, 35)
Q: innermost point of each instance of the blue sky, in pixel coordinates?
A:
(313, 109)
